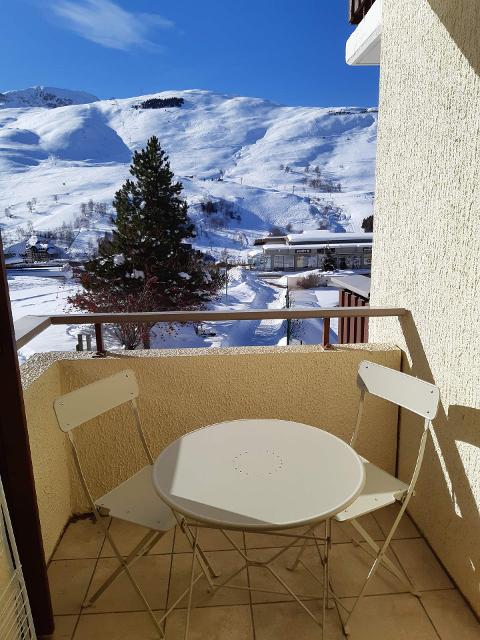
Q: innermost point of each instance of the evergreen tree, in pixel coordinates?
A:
(367, 224)
(145, 265)
(329, 262)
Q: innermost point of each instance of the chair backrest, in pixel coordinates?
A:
(90, 401)
(404, 390)
(77, 407)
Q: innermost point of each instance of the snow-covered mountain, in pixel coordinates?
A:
(40, 96)
(246, 164)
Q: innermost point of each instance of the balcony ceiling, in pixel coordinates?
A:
(363, 46)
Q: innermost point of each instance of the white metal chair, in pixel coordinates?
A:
(134, 500)
(382, 489)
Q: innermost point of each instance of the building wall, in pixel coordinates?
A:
(426, 255)
(185, 389)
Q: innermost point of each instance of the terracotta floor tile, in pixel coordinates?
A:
(387, 614)
(210, 540)
(406, 528)
(81, 539)
(116, 626)
(349, 566)
(64, 627)
(69, 580)
(127, 535)
(152, 575)
(343, 532)
(212, 623)
(287, 621)
(391, 617)
(299, 580)
(451, 616)
(421, 565)
(224, 561)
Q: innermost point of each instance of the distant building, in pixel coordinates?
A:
(308, 250)
(40, 250)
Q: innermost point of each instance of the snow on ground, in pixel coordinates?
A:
(311, 331)
(32, 294)
(47, 294)
(247, 155)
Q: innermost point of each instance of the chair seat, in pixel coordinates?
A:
(380, 490)
(136, 500)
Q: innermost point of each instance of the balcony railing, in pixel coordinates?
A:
(358, 10)
(29, 327)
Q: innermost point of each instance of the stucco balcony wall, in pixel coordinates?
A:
(182, 390)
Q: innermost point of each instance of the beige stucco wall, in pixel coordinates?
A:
(426, 255)
(183, 390)
(49, 456)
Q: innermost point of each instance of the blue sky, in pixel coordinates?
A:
(289, 52)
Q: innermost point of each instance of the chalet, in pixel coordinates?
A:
(40, 250)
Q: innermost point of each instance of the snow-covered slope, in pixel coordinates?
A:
(229, 150)
(40, 96)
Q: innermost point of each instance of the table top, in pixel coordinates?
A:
(258, 474)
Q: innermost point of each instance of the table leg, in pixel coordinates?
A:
(192, 581)
(326, 604)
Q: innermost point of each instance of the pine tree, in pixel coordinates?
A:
(367, 224)
(145, 264)
(329, 262)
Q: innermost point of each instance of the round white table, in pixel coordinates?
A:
(258, 475)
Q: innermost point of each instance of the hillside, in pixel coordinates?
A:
(49, 97)
(246, 164)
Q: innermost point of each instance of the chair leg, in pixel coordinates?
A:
(298, 558)
(405, 580)
(380, 558)
(135, 554)
(203, 561)
(126, 568)
(192, 582)
(296, 562)
(150, 546)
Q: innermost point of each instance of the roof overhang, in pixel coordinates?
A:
(356, 284)
(363, 46)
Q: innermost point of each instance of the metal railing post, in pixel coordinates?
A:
(100, 353)
(326, 333)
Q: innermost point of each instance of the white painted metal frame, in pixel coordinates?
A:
(309, 534)
(381, 488)
(132, 500)
(176, 492)
(15, 614)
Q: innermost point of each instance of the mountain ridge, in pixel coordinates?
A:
(268, 164)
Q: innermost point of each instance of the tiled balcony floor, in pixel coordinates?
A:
(83, 558)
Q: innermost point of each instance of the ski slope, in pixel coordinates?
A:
(249, 156)
(223, 148)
